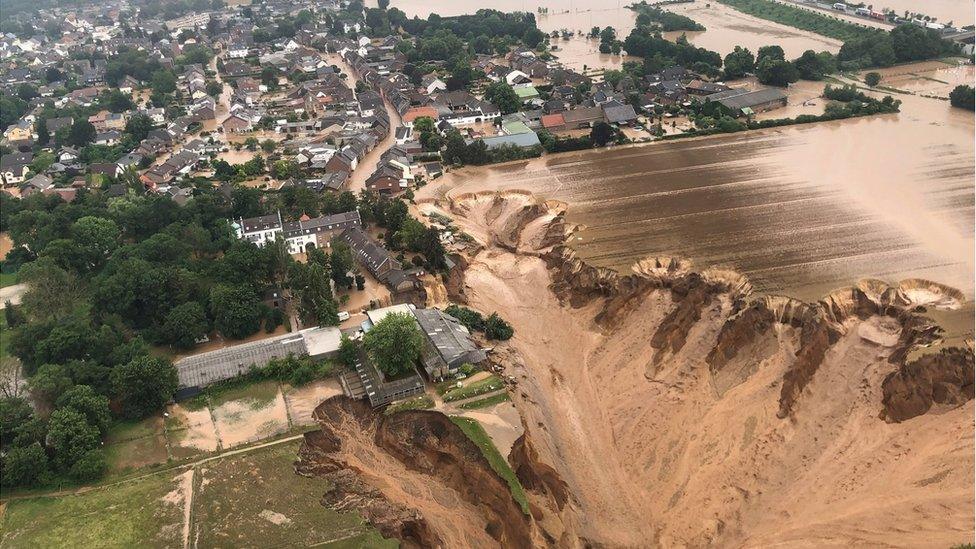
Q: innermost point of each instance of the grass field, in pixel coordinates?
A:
(790, 16)
(423, 402)
(259, 501)
(7, 279)
(251, 499)
(485, 402)
(134, 514)
(133, 444)
(480, 387)
(477, 434)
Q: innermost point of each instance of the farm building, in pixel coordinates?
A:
(745, 102)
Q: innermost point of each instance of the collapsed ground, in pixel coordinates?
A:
(673, 406)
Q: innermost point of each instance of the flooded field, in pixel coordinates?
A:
(800, 210)
(959, 12)
(727, 28)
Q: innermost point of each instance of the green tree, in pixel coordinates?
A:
(184, 325)
(872, 79)
(24, 466)
(43, 134)
(777, 73)
(394, 343)
(310, 282)
(84, 399)
(139, 126)
(15, 411)
(739, 62)
(775, 53)
(144, 385)
(348, 351)
(963, 96)
(70, 436)
(97, 237)
(496, 328)
(163, 81)
(268, 146)
(236, 311)
(90, 466)
(602, 133)
(814, 66)
(340, 263)
(50, 382)
(81, 133)
(503, 96)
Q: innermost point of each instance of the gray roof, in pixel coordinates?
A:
(736, 99)
(322, 223)
(449, 339)
(529, 139)
(620, 113)
(206, 368)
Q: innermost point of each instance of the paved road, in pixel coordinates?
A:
(366, 167)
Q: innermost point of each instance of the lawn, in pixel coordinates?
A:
(133, 444)
(257, 499)
(134, 514)
(7, 279)
(423, 402)
(802, 19)
(486, 402)
(477, 434)
(480, 387)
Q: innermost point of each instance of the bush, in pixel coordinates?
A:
(90, 467)
(496, 328)
(964, 97)
(872, 79)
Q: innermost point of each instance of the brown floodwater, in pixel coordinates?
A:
(726, 28)
(960, 12)
(800, 210)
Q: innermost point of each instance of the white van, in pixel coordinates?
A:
(343, 316)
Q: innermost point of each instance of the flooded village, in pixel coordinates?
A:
(381, 273)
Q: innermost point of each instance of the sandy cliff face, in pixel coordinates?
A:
(671, 408)
(415, 475)
(668, 407)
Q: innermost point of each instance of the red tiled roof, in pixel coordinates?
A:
(417, 112)
(553, 120)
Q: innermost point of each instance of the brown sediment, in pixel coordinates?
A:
(943, 380)
(414, 475)
(698, 453)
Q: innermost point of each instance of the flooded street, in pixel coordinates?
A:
(800, 210)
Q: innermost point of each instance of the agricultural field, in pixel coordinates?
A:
(140, 513)
(253, 498)
(257, 500)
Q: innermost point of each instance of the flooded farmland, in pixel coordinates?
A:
(800, 210)
(726, 28)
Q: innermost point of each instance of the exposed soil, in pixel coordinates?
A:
(671, 408)
(415, 476)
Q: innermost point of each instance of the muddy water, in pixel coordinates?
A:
(960, 12)
(800, 210)
(726, 28)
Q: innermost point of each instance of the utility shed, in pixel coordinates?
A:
(447, 343)
(759, 100)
